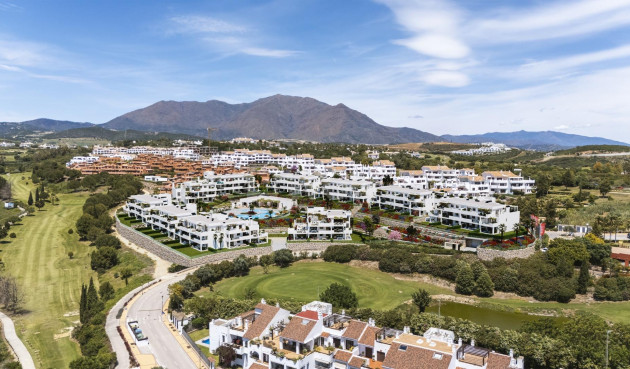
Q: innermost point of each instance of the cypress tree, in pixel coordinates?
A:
(82, 304)
(30, 199)
(465, 281)
(484, 287)
(36, 194)
(583, 278)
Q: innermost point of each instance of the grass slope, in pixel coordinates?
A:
(38, 258)
(303, 280)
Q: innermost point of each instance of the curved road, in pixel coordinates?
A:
(24, 357)
(146, 310)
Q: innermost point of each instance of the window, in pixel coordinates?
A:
(403, 348)
(437, 356)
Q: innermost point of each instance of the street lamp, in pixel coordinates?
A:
(162, 305)
(607, 336)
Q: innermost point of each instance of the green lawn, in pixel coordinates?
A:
(303, 280)
(38, 258)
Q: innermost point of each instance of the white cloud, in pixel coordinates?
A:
(257, 51)
(554, 19)
(437, 45)
(202, 24)
(562, 127)
(446, 78)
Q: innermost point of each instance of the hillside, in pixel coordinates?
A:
(274, 117)
(544, 140)
(111, 135)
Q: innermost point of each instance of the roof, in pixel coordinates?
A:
(342, 355)
(258, 366)
(259, 325)
(357, 362)
(368, 336)
(413, 357)
(435, 167)
(355, 330)
(308, 314)
(298, 329)
(409, 191)
(498, 361)
(499, 174)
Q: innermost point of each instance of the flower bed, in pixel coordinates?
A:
(509, 244)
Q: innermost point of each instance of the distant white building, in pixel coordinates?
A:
(296, 184)
(506, 182)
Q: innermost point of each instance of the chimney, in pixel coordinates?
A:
(472, 342)
(262, 301)
(246, 325)
(320, 316)
(459, 341)
(371, 322)
(511, 354)
(277, 304)
(303, 308)
(343, 312)
(406, 329)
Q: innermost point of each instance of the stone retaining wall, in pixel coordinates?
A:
(168, 254)
(489, 254)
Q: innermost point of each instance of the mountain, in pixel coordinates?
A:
(111, 135)
(544, 140)
(53, 125)
(274, 117)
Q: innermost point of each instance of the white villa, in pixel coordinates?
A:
(322, 224)
(484, 214)
(269, 337)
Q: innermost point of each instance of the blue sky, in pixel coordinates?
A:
(457, 67)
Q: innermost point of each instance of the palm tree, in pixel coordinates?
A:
(215, 240)
(517, 228)
(502, 229)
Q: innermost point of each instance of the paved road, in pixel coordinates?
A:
(24, 357)
(146, 310)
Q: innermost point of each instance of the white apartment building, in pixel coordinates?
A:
(82, 160)
(506, 182)
(484, 214)
(405, 200)
(211, 186)
(166, 218)
(140, 206)
(412, 179)
(297, 184)
(322, 224)
(269, 337)
(217, 231)
(348, 190)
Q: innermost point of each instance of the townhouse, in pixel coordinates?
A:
(506, 182)
(269, 337)
(297, 184)
(322, 224)
(348, 190)
(482, 214)
(405, 200)
(412, 179)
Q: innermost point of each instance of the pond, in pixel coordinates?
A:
(259, 213)
(482, 315)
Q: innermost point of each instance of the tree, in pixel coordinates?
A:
(465, 281)
(106, 291)
(484, 286)
(283, 258)
(125, 274)
(11, 296)
(30, 199)
(36, 194)
(516, 229)
(412, 231)
(226, 355)
(40, 204)
(604, 187)
(369, 225)
(70, 254)
(584, 278)
(421, 298)
(241, 266)
(339, 296)
(502, 229)
(387, 180)
(103, 258)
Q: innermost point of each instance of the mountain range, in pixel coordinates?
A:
(280, 117)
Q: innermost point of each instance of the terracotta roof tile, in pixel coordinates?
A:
(354, 330)
(259, 325)
(368, 337)
(357, 362)
(258, 366)
(342, 355)
(298, 329)
(498, 361)
(415, 357)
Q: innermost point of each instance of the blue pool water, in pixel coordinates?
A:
(259, 213)
(206, 341)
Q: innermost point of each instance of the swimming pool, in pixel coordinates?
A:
(259, 213)
(206, 341)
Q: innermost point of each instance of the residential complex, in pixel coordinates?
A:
(348, 190)
(483, 214)
(295, 184)
(211, 186)
(322, 224)
(405, 200)
(270, 337)
(506, 182)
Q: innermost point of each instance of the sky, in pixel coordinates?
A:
(441, 66)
